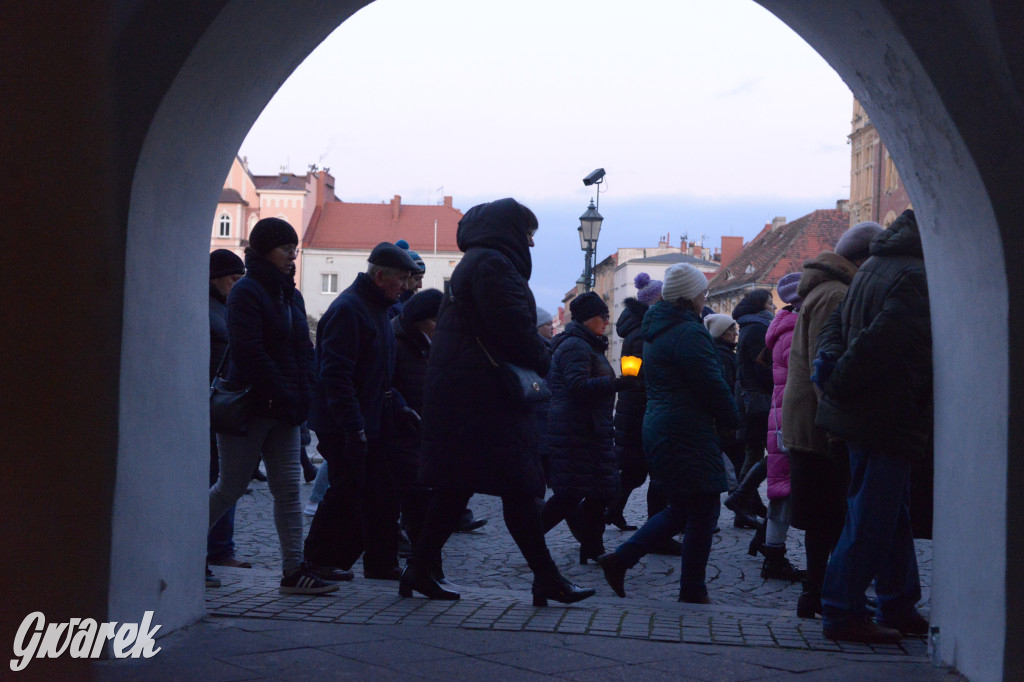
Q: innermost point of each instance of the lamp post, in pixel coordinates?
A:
(589, 229)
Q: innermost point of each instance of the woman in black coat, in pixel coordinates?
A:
(580, 447)
(629, 413)
(270, 352)
(753, 314)
(475, 439)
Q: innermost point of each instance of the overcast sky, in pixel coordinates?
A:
(709, 117)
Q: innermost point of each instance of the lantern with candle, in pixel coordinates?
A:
(630, 365)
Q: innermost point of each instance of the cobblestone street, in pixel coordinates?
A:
(495, 583)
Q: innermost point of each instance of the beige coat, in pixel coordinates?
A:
(823, 285)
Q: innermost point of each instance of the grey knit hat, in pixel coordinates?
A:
(543, 317)
(856, 242)
(682, 280)
(718, 324)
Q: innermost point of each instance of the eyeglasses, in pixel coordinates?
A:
(288, 250)
(606, 317)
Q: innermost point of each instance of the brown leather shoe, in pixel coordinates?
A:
(863, 630)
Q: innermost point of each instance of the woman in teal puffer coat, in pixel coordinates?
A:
(687, 397)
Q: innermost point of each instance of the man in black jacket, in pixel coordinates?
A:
(353, 414)
(875, 367)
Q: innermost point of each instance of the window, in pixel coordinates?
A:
(224, 225)
(328, 283)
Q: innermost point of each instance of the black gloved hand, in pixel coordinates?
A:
(626, 382)
(354, 456)
(411, 419)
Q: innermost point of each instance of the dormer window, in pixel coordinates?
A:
(750, 269)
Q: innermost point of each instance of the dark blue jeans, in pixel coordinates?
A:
(220, 541)
(695, 514)
(876, 543)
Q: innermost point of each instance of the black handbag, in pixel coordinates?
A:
(230, 406)
(524, 386)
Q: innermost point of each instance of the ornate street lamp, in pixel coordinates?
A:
(590, 228)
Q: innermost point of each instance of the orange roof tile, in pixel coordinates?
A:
(770, 255)
(342, 225)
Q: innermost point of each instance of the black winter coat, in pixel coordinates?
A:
(727, 360)
(218, 330)
(580, 446)
(413, 349)
(473, 437)
(355, 356)
(880, 392)
(755, 378)
(632, 402)
(274, 359)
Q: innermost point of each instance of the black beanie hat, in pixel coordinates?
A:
(271, 233)
(586, 306)
(224, 263)
(423, 306)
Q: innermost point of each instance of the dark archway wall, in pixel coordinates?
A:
(120, 121)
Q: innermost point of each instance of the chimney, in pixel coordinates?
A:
(324, 186)
(777, 222)
(698, 251)
(396, 206)
(448, 202)
(731, 247)
(843, 205)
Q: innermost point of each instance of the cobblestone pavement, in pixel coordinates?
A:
(495, 582)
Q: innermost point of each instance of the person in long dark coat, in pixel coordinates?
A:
(687, 397)
(584, 473)
(475, 440)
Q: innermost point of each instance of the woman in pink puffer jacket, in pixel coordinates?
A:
(777, 342)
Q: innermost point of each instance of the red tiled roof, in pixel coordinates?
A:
(286, 181)
(342, 225)
(773, 254)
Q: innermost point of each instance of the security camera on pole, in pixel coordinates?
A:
(590, 228)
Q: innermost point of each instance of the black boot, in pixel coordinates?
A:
(777, 567)
(757, 542)
(615, 518)
(614, 572)
(553, 586)
(809, 602)
(745, 500)
(414, 579)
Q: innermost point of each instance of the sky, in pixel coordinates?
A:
(710, 118)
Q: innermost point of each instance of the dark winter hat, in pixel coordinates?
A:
(387, 255)
(787, 287)
(586, 306)
(648, 290)
(855, 242)
(271, 233)
(423, 306)
(402, 244)
(224, 263)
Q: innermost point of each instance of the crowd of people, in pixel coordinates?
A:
(421, 398)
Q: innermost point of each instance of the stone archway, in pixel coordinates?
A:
(165, 97)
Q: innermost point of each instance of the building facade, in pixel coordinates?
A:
(335, 237)
(876, 191)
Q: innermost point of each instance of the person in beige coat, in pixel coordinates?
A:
(819, 466)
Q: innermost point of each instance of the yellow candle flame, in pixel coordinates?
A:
(630, 365)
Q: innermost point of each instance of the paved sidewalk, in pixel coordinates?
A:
(365, 631)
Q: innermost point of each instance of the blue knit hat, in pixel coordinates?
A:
(402, 244)
(648, 290)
